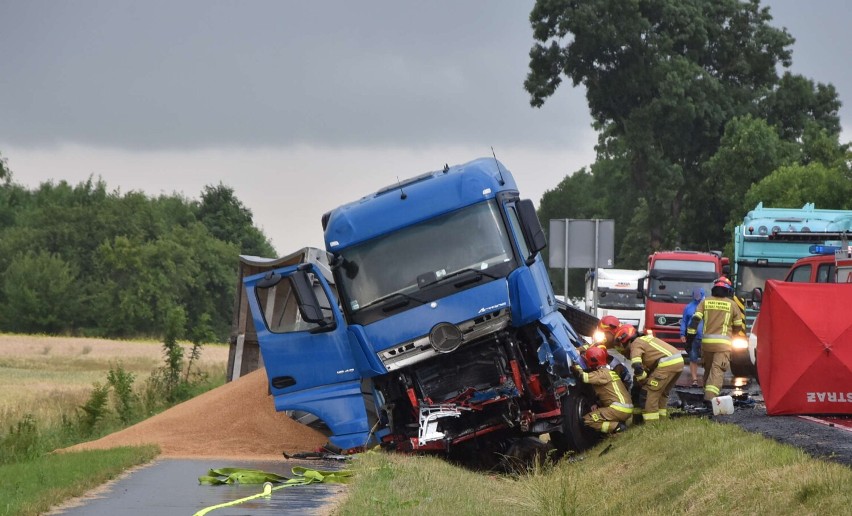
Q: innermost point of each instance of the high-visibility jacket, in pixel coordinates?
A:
(653, 353)
(609, 388)
(720, 316)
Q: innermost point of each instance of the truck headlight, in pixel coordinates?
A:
(739, 343)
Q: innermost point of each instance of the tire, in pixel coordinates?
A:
(741, 365)
(574, 435)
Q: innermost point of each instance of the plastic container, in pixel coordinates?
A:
(723, 405)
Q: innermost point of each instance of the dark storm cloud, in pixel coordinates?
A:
(193, 74)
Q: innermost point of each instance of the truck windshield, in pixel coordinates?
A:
(403, 266)
(685, 265)
(676, 291)
(751, 277)
(620, 299)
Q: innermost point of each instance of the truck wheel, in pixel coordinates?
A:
(741, 365)
(575, 436)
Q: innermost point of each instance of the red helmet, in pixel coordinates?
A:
(596, 356)
(609, 323)
(625, 334)
(723, 282)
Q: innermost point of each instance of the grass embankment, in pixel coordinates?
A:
(684, 466)
(33, 487)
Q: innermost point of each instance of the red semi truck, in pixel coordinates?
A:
(672, 275)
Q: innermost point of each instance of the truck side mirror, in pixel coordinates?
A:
(309, 305)
(757, 295)
(531, 227)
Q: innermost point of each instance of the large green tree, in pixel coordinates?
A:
(86, 260)
(228, 219)
(793, 186)
(40, 293)
(663, 79)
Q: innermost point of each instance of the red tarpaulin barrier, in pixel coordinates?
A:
(804, 348)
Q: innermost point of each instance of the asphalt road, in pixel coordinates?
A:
(832, 443)
(170, 487)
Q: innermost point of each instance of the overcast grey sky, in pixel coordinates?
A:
(301, 106)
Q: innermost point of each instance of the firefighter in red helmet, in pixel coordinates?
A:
(722, 318)
(656, 366)
(606, 330)
(603, 333)
(614, 407)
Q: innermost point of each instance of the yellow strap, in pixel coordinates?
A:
(303, 476)
(267, 492)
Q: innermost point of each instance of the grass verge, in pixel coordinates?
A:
(32, 487)
(683, 466)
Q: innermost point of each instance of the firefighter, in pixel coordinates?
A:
(656, 365)
(614, 406)
(606, 331)
(722, 317)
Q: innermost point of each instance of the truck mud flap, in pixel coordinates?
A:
(583, 323)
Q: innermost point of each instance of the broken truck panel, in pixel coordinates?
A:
(445, 329)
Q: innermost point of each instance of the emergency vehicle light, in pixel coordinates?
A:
(823, 249)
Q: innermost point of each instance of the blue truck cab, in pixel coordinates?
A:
(440, 326)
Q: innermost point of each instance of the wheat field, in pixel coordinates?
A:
(50, 376)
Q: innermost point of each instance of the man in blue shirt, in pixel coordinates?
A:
(695, 351)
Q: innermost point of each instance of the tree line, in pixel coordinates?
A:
(84, 260)
(698, 120)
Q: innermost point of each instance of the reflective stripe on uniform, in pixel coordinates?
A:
(651, 416)
(716, 339)
(656, 346)
(671, 360)
(615, 381)
(711, 388)
(585, 377)
(605, 427)
(663, 412)
(627, 408)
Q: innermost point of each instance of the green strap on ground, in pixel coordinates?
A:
(302, 476)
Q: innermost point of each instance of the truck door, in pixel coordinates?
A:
(305, 347)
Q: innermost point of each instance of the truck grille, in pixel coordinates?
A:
(419, 349)
(477, 367)
(667, 319)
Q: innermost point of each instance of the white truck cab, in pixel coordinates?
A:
(616, 292)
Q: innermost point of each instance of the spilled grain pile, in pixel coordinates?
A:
(237, 419)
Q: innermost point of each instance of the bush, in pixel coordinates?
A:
(22, 441)
(124, 399)
(95, 409)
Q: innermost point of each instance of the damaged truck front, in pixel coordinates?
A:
(440, 330)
